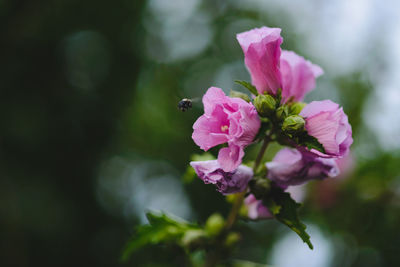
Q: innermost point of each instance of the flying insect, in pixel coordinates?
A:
(186, 103)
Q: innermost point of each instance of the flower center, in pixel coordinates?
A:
(224, 128)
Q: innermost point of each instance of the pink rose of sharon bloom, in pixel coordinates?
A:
(255, 208)
(327, 122)
(271, 69)
(291, 167)
(226, 182)
(226, 120)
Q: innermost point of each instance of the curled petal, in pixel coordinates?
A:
(261, 48)
(211, 172)
(291, 167)
(327, 122)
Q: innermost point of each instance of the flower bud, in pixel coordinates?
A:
(296, 108)
(240, 95)
(265, 105)
(293, 124)
(282, 112)
(214, 224)
(232, 239)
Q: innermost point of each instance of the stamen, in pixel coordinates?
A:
(224, 128)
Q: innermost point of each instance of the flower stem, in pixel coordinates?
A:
(260, 155)
(240, 197)
(213, 257)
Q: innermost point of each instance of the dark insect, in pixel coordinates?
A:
(185, 104)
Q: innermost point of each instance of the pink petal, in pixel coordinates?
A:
(230, 157)
(204, 168)
(324, 128)
(250, 124)
(212, 97)
(315, 107)
(298, 75)
(207, 132)
(261, 48)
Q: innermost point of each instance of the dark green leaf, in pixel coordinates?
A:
(284, 208)
(311, 142)
(249, 86)
(273, 207)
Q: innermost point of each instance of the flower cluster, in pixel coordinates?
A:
(315, 134)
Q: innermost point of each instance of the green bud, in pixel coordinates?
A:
(240, 95)
(232, 239)
(260, 186)
(296, 108)
(214, 224)
(265, 105)
(282, 112)
(293, 124)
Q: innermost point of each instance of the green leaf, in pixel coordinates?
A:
(161, 229)
(273, 207)
(241, 95)
(249, 86)
(284, 208)
(311, 142)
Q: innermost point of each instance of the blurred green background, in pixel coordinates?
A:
(91, 136)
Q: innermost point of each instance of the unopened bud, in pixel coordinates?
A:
(296, 108)
(214, 224)
(293, 124)
(282, 112)
(265, 105)
(232, 239)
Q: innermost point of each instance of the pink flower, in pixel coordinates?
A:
(226, 120)
(298, 75)
(327, 122)
(271, 69)
(255, 208)
(291, 167)
(261, 48)
(226, 182)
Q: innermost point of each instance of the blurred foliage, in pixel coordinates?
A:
(83, 81)
(162, 230)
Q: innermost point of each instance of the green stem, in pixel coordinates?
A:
(260, 155)
(213, 257)
(240, 197)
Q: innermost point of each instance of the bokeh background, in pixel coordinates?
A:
(91, 136)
